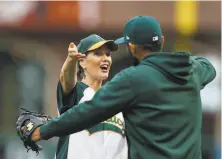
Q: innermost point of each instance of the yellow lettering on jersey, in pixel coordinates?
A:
(115, 121)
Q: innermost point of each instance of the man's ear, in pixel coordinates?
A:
(132, 47)
(163, 41)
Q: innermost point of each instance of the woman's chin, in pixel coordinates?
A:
(104, 76)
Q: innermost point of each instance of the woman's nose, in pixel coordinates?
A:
(106, 59)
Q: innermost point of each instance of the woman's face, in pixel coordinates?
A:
(97, 63)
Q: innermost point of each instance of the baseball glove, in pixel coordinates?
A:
(26, 124)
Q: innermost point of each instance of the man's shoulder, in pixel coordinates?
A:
(135, 71)
(124, 74)
(129, 70)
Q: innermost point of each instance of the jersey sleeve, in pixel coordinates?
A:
(110, 99)
(206, 70)
(64, 102)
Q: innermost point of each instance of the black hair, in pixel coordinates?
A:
(154, 47)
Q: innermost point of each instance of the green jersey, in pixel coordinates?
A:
(161, 103)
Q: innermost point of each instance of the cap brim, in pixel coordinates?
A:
(121, 41)
(110, 43)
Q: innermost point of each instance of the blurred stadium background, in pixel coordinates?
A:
(34, 37)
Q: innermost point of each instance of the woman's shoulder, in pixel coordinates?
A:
(81, 85)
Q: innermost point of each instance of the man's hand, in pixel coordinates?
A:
(36, 135)
(27, 127)
(73, 53)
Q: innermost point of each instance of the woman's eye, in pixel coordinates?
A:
(108, 54)
(97, 53)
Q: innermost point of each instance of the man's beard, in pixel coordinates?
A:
(135, 61)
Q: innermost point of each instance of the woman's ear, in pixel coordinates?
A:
(82, 63)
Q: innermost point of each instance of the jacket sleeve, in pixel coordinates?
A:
(64, 102)
(109, 100)
(206, 70)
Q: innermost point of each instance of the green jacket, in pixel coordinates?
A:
(161, 103)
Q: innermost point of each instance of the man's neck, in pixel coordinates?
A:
(142, 55)
(94, 84)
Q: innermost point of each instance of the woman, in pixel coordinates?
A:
(90, 65)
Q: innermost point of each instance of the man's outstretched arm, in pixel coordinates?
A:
(206, 70)
(109, 100)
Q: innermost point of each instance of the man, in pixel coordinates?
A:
(160, 99)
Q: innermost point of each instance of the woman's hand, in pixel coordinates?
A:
(73, 52)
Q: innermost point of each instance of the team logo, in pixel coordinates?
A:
(30, 126)
(113, 124)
